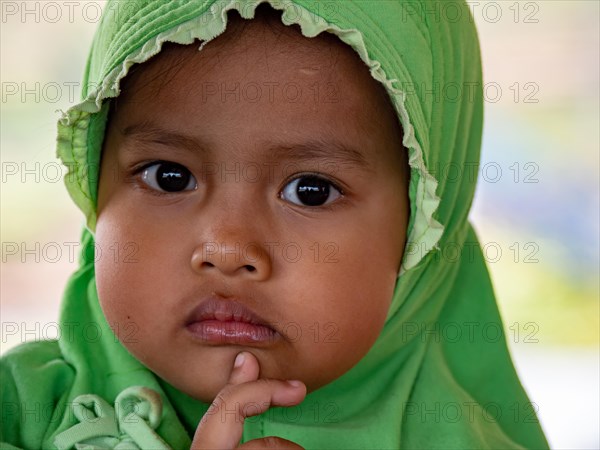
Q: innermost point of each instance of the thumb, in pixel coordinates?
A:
(245, 368)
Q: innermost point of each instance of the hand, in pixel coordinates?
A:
(223, 430)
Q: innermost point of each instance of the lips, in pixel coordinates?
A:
(229, 322)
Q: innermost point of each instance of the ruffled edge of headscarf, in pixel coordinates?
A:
(74, 125)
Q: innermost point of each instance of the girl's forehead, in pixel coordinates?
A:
(255, 56)
(254, 46)
(258, 61)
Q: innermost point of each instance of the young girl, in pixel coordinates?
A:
(264, 253)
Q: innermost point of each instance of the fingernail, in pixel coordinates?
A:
(239, 360)
(294, 383)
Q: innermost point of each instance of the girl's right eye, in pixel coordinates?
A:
(167, 176)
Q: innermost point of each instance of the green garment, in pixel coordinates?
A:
(439, 375)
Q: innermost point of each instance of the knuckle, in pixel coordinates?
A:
(271, 442)
(220, 399)
(226, 394)
(218, 403)
(274, 442)
(266, 383)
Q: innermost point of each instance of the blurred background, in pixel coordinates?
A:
(536, 209)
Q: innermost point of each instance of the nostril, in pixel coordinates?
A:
(209, 265)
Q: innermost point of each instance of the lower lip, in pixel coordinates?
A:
(230, 332)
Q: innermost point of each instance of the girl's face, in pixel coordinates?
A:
(257, 194)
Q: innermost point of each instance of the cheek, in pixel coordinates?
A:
(365, 272)
(115, 278)
(131, 279)
(360, 298)
(341, 310)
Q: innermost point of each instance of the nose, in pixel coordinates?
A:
(231, 229)
(233, 258)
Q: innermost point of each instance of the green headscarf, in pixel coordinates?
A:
(439, 375)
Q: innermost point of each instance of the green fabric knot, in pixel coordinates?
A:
(129, 425)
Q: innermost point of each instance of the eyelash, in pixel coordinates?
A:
(137, 170)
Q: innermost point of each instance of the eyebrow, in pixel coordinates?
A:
(319, 149)
(331, 151)
(146, 132)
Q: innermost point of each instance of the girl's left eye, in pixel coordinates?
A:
(167, 176)
(310, 190)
